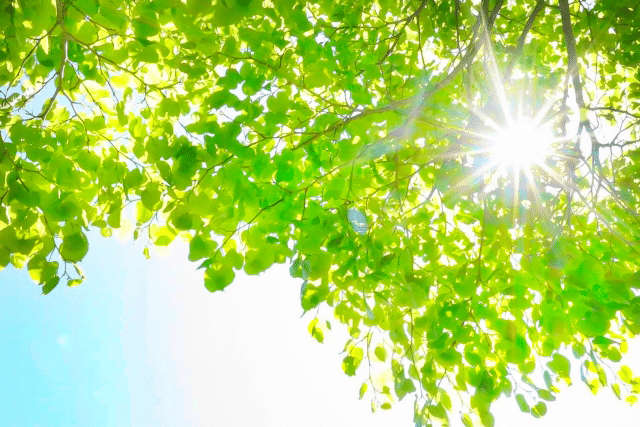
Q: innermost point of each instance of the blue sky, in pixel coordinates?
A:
(142, 343)
(62, 361)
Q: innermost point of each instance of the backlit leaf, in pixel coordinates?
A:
(74, 247)
(522, 403)
(381, 353)
(363, 390)
(539, 409)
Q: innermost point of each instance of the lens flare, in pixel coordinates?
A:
(521, 146)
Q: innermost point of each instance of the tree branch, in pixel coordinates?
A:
(570, 41)
(534, 14)
(573, 71)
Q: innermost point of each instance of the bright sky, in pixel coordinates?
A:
(143, 343)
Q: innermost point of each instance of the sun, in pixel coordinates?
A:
(521, 145)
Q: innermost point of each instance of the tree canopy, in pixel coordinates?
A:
(355, 141)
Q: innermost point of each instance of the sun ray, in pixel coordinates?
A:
(496, 79)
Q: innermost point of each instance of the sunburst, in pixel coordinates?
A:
(521, 146)
(515, 142)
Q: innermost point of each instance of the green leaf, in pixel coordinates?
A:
(313, 296)
(616, 390)
(320, 264)
(50, 285)
(86, 33)
(352, 362)
(218, 277)
(315, 330)
(539, 409)
(578, 350)
(43, 58)
(4, 257)
(200, 247)
(183, 221)
(74, 247)
(546, 395)
(626, 375)
(42, 270)
(284, 175)
(150, 196)
(560, 365)
(258, 260)
(163, 236)
(602, 376)
(487, 418)
(90, 7)
(448, 358)
(594, 325)
(547, 379)
(363, 390)
(614, 355)
(72, 283)
(522, 403)
(404, 386)
(437, 411)
(381, 353)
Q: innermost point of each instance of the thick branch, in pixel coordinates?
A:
(615, 110)
(534, 14)
(61, 11)
(570, 41)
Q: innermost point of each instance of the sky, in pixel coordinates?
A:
(143, 343)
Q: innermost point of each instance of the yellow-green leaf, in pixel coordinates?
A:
(74, 247)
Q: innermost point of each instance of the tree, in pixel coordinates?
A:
(361, 143)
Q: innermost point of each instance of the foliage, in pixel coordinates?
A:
(346, 138)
